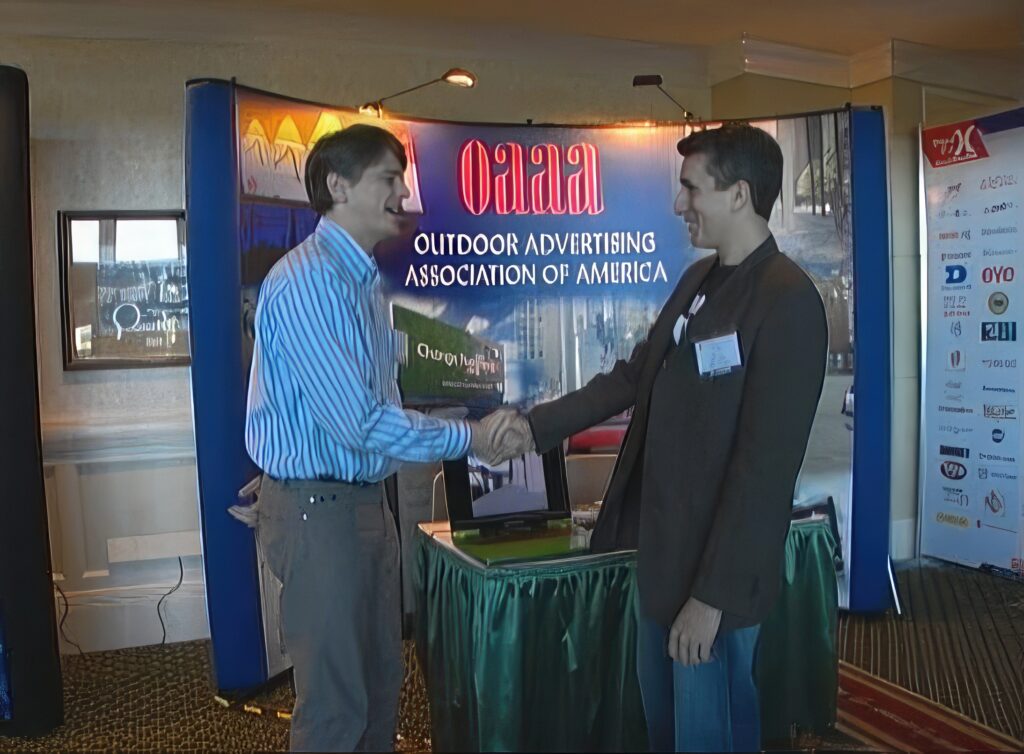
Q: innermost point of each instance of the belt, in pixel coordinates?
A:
(319, 480)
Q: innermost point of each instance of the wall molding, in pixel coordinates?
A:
(94, 442)
(999, 74)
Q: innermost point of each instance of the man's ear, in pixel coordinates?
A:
(337, 186)
(740, 195)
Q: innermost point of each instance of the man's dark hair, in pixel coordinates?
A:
(348, 152)
(740, 152)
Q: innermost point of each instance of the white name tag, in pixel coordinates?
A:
(719, 355)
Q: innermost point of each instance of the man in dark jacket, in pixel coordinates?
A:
(724, 392)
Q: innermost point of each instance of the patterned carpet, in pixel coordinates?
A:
(888, 717)
(159, 698)
(960, 642)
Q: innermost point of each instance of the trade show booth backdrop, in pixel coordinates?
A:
(556, 244)
(970, 435)
(31, 702)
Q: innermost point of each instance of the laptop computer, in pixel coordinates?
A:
(516, 511)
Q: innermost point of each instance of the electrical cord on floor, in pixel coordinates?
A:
(181, 577)
(64, 617)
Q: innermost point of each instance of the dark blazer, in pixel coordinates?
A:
(703, 484)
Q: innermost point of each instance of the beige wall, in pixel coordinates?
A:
(752, 95)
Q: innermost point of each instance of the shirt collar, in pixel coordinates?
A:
(345, 249)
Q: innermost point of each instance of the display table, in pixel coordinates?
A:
(542, 656)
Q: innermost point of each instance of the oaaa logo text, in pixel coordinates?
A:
(550, 190)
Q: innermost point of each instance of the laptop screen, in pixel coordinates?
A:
(526, 489)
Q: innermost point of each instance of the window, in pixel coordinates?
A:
(124, 289)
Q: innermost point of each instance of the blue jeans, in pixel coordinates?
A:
(709, 707)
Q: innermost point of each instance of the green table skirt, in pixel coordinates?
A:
(542, 656)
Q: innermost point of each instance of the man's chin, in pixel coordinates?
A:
(403, 225)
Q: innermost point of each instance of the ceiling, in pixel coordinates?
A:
(832, 25)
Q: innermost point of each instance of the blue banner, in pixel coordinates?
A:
(518, 234)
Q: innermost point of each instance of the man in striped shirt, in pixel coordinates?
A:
(325, 424)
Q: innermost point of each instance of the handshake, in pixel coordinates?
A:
(500, 436)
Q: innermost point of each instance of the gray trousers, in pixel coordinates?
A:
(335, 549)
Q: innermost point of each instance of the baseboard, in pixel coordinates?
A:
(123, 617)
(903, 539)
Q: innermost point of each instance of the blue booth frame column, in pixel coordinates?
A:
(218, 383)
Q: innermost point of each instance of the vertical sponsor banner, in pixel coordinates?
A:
(971, 510)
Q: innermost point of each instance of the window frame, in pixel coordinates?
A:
(72, 361)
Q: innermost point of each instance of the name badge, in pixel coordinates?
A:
(718, 356)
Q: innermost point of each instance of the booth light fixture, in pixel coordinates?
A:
(459, 77)
(654, 79)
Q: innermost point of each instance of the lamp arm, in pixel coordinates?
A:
(410, 89)
(685, 111)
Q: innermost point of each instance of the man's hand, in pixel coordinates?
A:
(500, 436)
(511, 435)
(693, 632)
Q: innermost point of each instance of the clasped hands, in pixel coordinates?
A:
(501, 435)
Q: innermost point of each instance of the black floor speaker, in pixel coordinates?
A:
(31, 661)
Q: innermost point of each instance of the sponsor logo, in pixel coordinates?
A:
(989, 389)
(951, 450)
(955, 274)
(955, 429)
(953, 519)
(996, 458)
(955, 410)
(954, 384)
(1000, 412)
(956, 256)
(1006, 474)
(1001, 207)
(990, 182)
(997, 252)
(998, 435)
(953, 470)
(955, 496)
(995, 503)
(998, 302)
(995, 274)
(999, 230)
(955, 361)
(998, 331)
(949, 145)
(956, 329)
(999, 363)
(952, 397)
(954, 301)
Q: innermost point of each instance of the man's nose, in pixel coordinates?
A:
(680, 204)
(405, 193)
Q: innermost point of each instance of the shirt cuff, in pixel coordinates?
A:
(462, 438)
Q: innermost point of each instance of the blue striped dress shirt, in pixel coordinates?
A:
(323, 396)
